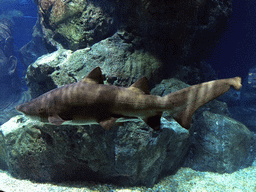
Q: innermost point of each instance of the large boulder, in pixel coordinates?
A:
(132, 154)
(221, 144)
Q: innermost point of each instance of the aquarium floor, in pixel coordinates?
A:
(185, 179)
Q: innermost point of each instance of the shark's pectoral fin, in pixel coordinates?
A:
(55, 120)
(108, 123)
(153, 121)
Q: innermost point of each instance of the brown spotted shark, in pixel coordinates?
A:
(89, 101)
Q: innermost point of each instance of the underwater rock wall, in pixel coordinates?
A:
(176, 32)
(77, 24)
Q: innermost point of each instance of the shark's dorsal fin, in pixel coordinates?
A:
(142, 85)
(95, 76)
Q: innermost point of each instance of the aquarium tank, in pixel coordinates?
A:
(121, 95)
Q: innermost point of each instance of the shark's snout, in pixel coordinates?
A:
(20, 108)
(23, 108)
(30, 108)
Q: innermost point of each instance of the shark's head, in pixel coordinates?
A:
(33, 111)
(26, 109)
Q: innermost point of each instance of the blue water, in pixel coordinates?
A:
(23, 27)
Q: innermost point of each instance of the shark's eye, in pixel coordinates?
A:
(40, 110)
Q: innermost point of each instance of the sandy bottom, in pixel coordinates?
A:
(185, 179)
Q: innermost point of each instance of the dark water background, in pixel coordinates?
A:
(235, 54)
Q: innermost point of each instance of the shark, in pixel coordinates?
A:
(90, 101)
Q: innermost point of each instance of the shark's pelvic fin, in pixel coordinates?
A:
(55, 120)
(95, 76)
(107, 124)
(141, 85)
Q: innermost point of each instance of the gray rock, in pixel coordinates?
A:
(3, 153)
(132, 154)
(246, 115)
(220, 144)
(120, 64)
(76, 24)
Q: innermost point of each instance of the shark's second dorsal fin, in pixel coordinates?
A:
(95, 76)
(142, 85)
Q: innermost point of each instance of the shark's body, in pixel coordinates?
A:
(89, 101)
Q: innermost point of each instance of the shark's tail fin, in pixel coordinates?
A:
(185, 102)
(235, 82)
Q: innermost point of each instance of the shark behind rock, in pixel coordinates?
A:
(89, 101)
